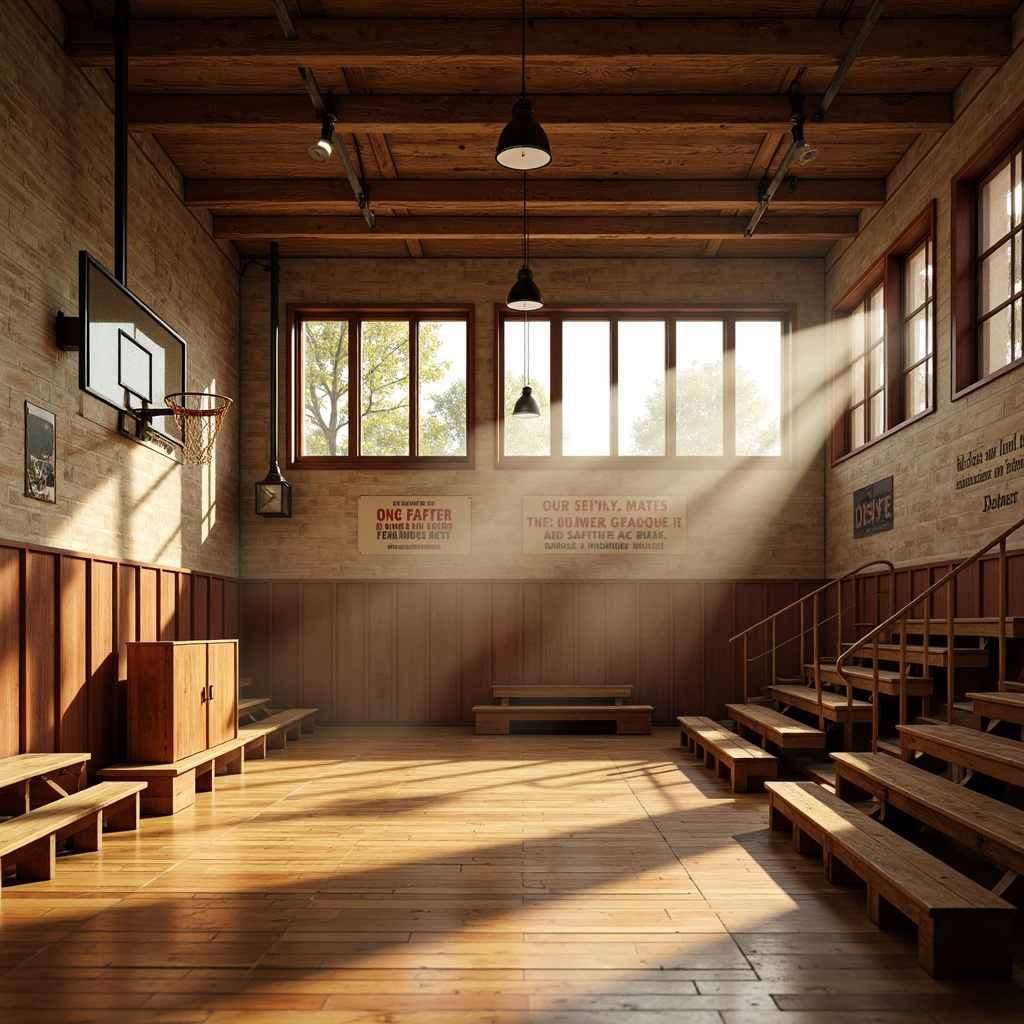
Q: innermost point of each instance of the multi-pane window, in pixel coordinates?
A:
(645, 386)
(884, 331)
(999, 267)
(380, 386)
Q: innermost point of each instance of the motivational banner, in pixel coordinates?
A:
(585, 525)
(402, 524)
(991, 469)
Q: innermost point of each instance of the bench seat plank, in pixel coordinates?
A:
(173, 785)
(574, 691)
(786, 733)
(630, 719)
(724, 751)
(833, 705)
(963, 929)
(1003, 705)
(982, 752)
(862, 677)
(993, 828)
(274, 731)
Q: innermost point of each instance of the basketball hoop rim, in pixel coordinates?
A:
(183, 410)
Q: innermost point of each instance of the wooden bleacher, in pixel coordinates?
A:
(775, 727)
(272, 730)
(552, 703)
(746, 763)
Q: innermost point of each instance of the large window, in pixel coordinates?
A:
(379, 386)
(644, 387)
(884, 343)
(988, 220)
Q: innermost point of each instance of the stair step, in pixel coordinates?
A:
(834, 706)
(914, 654)
(786, 733)
(862, 678)
(984, 626)
(822, 774)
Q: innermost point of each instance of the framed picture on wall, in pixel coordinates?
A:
(40, 453)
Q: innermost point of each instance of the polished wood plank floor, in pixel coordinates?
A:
(432, 876)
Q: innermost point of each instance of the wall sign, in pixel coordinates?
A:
(990, 469)
(585, 525)
(404, 524)
(873, 508)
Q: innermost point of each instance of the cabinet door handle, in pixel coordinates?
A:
(211, 691)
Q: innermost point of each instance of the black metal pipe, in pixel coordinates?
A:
(275, 281)
(121, 18)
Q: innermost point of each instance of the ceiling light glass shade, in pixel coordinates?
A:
(523, 145)
(805, 152)
(524, 295)
(320, 151)
(526, 407)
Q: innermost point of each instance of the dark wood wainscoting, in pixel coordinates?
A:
(64, 622)
(376, 651)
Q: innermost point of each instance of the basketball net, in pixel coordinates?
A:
(199, 417)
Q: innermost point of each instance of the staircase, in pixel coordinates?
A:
(907, 670)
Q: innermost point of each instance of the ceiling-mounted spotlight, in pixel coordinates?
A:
(803, 151)
(523, 145)
(320, 151)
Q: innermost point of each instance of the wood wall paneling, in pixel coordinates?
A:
(185, 625)
(591, 633)
(148, 603)
(39, 726)
(655, 642)
(229, 618)
(216, 611)
(10, 651)
(380, 665)
(720, 687)
(621, 628)
(72, 632)
(317, 649)
(533, 647)
(285, 660)
(688, 679)
(506, 633)
(412, 663)
(476, 647)
(167, 604)
(351, 632)
(558, 626)
(443, 651)
(105, 725)
(254, 653)
(201, 608)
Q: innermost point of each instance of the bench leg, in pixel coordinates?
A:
(123, 816)
(838, 873)
(277, 740)
(960, 946)
(308, 725)
(256, 748)
(233, 763)
(204, 775)
(37, 862)
(777, 821)
(491, 725)
(805, 844)
(89, 834)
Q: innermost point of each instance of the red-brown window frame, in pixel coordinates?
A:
(888, 271)
(966, 375)
(294, 383)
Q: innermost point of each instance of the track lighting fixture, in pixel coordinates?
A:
(320, 151)
(523, 145)
(803, 151)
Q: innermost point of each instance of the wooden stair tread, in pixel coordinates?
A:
(938, 657)
(776, 727)
(999, 704)
(981, 626)
(863, 676)
(834, 705)
(969, 748)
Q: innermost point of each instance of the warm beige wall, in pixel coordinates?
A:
(742, 524)
(115, 498)
(933, 520)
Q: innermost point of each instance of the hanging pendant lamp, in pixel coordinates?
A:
(523, 145)
(524, 295)
(527, 407)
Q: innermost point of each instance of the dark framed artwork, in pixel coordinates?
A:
(40, 453)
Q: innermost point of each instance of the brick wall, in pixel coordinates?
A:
(115, 498)
(933, 519)
(752, 523)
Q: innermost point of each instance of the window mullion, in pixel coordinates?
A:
(729, 388)
(414, 377)
(613, 387)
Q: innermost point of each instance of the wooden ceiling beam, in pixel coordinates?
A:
(309, 195)
(494, 44)
(486, 230)
(454, 116)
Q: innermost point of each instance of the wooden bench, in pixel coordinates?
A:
(992, 828)
(724, 751)
(27, 780)
(597, 703)
(28, 842)
(967, 748)
(774, 727)
(249, 707)
(963, 930)
(173, 787)
(274, 731)
(999, 706)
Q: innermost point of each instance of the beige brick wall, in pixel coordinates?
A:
(741, 524)
(933, 519)
(115, 498)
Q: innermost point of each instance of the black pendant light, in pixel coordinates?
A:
(522, 145)
(527, 406)
(524, 295)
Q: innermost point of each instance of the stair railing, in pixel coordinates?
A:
(903, 614)
(808, 603)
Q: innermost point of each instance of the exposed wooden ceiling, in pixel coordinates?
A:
(663, 117)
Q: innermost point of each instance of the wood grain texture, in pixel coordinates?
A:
(428, 876)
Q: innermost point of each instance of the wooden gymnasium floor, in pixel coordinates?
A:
(415, 875)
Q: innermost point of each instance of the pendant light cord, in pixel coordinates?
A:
(526, 349)
(526, 229)
(522, 48)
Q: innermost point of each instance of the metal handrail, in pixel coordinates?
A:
(816, 623)
(948, 581)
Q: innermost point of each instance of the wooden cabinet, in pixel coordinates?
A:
(182, 697)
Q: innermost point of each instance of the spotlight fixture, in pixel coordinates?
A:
(803, 151)
(524, 295)
(523, 145)
(320, 151)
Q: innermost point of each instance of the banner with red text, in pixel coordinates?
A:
(585, 525)
(420, 525)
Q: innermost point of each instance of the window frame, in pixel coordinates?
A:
(558, 315)
(966, 373)
(888, 273)
(414, 313)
